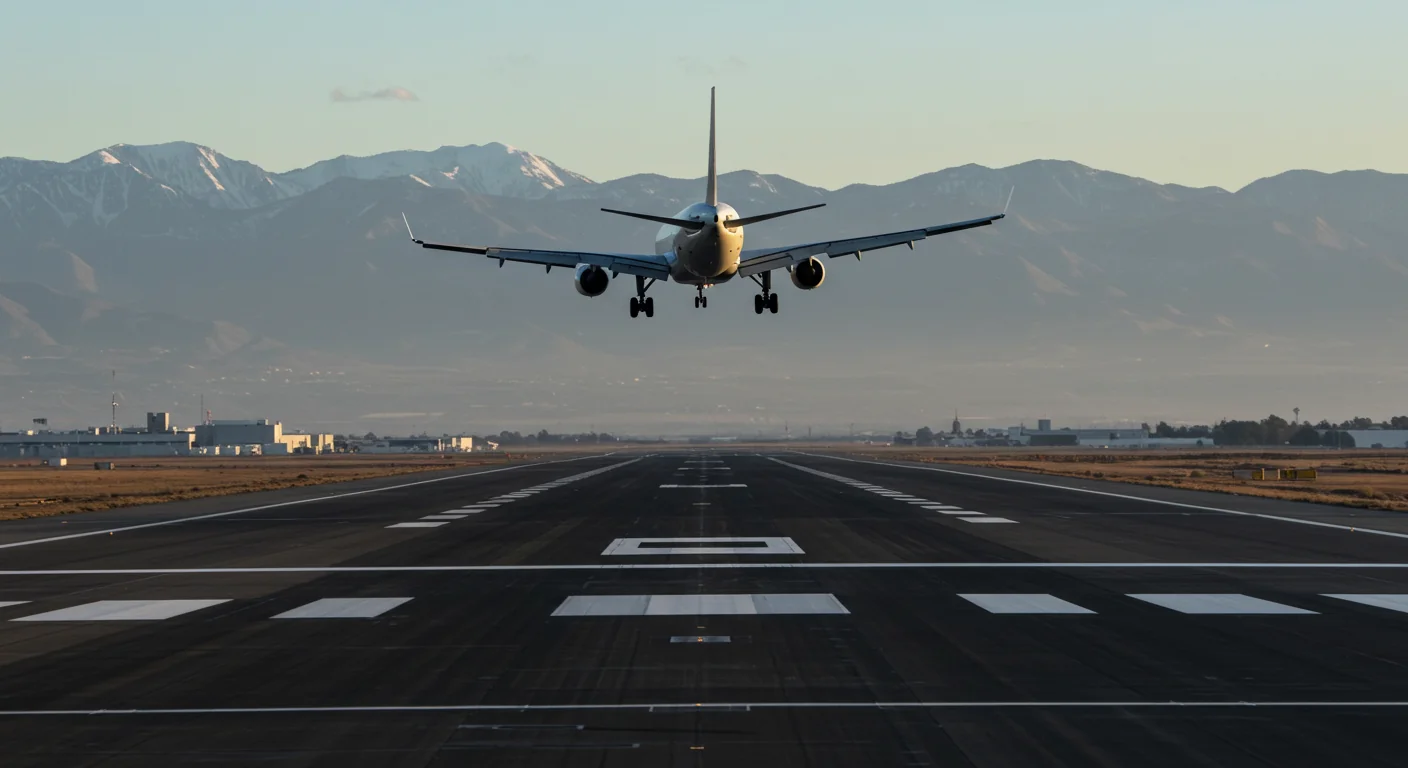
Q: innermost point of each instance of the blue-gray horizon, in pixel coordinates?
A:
(1154, 92)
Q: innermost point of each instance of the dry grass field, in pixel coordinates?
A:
(1356, 478)
(30, 490)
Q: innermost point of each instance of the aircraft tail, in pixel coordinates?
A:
(711, 194)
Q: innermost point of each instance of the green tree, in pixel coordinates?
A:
(1305, 436)
(1337, 439)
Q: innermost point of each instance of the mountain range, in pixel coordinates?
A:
(1102, 296)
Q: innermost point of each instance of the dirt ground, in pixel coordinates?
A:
(30, 490)
(1356, 478)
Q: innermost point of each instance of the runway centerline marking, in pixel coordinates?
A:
(724, 485)
(278, 505)
(1125, 496)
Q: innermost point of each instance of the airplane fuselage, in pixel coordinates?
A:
(704, 256)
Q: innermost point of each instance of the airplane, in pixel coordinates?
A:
(702, 246)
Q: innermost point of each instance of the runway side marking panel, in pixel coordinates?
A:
(1024, 604)
(416, 525)
(8, 603)
(985, 519)
(1220, 604)
(699, 605)
(728, 545)
(724, 485)
(1391, 602)
(124, 610)
(344, 608)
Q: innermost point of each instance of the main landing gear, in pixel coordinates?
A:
(639, 303)
(701, 301)
(767, 299)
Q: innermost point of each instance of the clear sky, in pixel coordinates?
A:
(1197, 92)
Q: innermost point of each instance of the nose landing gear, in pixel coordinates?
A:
(701, 301)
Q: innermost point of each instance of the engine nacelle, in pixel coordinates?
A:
(590, 280)
(808, 274)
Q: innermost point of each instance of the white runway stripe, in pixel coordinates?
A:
(956, 511)
(416, 525)
(344, 608)
(985, 519)
(1024, 603)
(123, 610)
(8, 603)
(443, 517)
(1211, 603)
(699, 605)
(741, 706)
(724, 485)
(1392, 602)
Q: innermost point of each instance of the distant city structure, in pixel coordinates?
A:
(160, 438)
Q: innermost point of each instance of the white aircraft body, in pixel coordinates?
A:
(702, 246)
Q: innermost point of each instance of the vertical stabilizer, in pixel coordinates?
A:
(711, 194)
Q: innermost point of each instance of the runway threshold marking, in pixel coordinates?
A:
(344, 608)
(724, 485)
(123, 610)
(1125, 496)
(315, 499)
(1024, 604)
(1391, 602)
(1219, 604)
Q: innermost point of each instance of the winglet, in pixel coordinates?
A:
(711, 194)
(1009, 199)
(408, 230)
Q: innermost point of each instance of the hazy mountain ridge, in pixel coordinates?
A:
(1089, 265)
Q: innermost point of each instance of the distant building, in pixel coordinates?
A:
(158, 422)
(270, 436)
(1043, 425)
(102, 442)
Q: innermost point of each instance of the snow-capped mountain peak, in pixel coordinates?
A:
(204, 174)
(489, 169)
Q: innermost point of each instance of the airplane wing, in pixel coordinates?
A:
(760, 260)
(644, 265)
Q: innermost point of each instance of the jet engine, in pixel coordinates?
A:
(808, 274)
(590, 280)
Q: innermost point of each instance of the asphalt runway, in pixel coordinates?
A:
(707, 607)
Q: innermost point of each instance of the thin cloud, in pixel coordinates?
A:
(385, 94)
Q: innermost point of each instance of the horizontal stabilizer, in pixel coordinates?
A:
(746, 220)
(683, 223)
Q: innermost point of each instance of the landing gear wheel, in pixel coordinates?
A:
(650, 307)
(635, 306)
(772, 303)
(704, 302)
(696, 301)
(757, 303)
